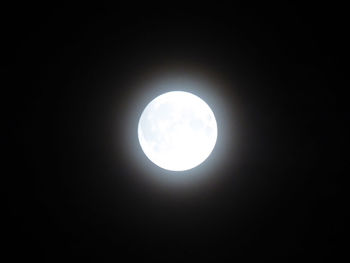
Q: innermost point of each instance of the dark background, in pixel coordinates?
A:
(70, 195)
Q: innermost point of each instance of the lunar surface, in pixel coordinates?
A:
(177, 131)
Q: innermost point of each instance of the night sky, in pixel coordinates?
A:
(77, 185)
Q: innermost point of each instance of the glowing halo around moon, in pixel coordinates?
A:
(177, 131)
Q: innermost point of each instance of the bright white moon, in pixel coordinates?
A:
(177, 131)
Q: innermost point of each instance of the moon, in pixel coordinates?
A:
(177, 131)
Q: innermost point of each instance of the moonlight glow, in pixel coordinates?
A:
(177, 131)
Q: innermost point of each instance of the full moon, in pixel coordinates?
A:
(177, 131)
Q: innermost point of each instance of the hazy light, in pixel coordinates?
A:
(177, 131)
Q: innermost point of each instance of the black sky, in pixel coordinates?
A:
(73, 192)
